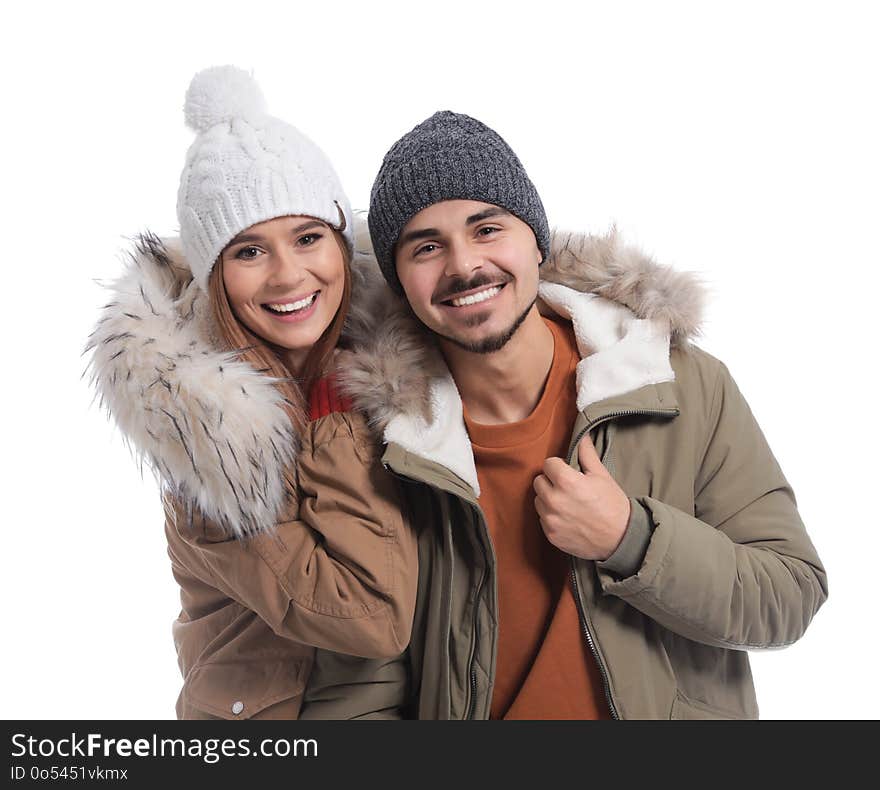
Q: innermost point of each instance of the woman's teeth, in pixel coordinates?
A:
(293, 306)
(480, 296)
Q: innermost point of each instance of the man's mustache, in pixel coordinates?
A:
(460, 286)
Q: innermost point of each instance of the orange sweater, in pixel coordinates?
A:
(545, 669)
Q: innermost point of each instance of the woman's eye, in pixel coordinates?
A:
(247, 253)
(308, 239)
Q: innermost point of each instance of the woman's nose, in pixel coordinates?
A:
(286, 271)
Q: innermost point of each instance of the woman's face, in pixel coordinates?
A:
(284, 279)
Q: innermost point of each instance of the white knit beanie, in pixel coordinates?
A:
(246, 167)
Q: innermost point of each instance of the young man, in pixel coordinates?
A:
(605, 529)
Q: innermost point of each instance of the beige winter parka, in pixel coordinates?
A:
(296, 565)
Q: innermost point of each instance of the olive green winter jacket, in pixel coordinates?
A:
(715, 560)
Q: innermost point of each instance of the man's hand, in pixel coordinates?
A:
(584, 514)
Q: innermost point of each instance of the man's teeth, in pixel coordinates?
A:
(480, 296)
(289, 308)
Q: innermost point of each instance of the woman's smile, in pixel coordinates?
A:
(291, 312)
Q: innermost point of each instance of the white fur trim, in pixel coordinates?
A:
(211, 427)
(444, 440)
(619, 352)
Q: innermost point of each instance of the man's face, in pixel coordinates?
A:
(469, 271)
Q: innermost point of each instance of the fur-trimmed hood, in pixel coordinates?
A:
(210, 427)
(627, 312)
(213, 429)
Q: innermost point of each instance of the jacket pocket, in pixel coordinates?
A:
(247, 690)
(685, 708)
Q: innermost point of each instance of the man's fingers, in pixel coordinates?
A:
(555, 470)
(588, 457)
(542, 486)
(541, 508)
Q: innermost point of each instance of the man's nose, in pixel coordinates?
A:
(462, 261)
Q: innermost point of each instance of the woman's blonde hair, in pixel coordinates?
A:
(265, 357)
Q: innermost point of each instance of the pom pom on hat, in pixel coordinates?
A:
(220, 93)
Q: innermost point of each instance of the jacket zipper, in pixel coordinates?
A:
(472, 703)
(577, 596)
(612, 415)
(589, 639)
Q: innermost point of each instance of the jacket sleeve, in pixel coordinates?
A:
(339, 570)
(741, 572)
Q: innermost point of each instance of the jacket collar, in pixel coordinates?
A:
(626, 312)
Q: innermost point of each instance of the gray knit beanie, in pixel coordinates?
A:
(448, 157)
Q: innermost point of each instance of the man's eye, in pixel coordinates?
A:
(425, 248)
(308, 239)
(487, 231)
(247, 253)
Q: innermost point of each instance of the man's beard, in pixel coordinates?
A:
(489, 345)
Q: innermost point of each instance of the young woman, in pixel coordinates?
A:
(296, 566)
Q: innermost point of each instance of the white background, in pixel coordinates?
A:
(740, 142)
